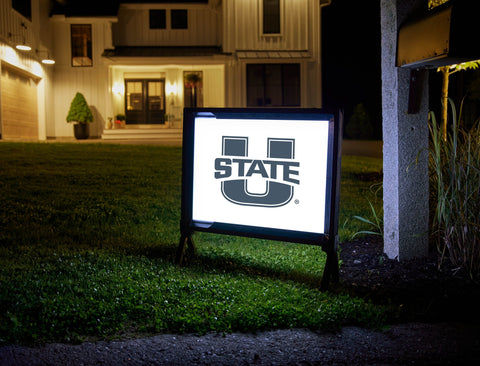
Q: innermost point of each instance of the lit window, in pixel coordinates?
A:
(81, 44)
(158, 19)
(193, 89)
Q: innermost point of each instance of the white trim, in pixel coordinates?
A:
(83, 20)
(260, 21)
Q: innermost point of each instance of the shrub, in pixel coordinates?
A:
(79, 110)
(455, 184)
(359, 125)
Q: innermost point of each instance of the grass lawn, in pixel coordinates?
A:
(88, 234)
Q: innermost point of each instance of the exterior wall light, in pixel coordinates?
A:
(21, 45)
(47, 60)
(172, 89)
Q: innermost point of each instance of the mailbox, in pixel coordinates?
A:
(445, 36)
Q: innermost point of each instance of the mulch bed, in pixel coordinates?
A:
(417, 288)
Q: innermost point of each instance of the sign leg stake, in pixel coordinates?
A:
(332, 270)
(186, 246)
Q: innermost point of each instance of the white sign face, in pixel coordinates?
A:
(264, 173)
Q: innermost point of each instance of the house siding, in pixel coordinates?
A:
(91, 81)
(298, 42)
(242, 26)
(233, 26)
(133, 27)
(36, 32)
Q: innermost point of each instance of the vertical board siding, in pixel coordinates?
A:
(91, 81)
(11, 29)
(93, 84)
(243, 32)
(213, 88)
(17, 92)
(133, 29)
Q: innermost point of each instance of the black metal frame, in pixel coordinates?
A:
(328, 241)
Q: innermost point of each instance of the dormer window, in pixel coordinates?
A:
(174, 19)
(158, 19)
(179, 18)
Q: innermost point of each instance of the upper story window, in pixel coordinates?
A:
(158, 19)
(81, 39)
(179, 18)
(24, 7)
(271, 17)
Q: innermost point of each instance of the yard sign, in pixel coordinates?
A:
(265, 173)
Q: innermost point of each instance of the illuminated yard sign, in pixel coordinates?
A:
(265, 173)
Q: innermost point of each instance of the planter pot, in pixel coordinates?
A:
(81, 131)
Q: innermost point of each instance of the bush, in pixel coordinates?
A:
(359, 125)
(79, 110)
(455, 184)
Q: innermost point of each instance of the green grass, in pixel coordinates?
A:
(87, 244)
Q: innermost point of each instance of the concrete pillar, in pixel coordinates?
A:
(405, 136)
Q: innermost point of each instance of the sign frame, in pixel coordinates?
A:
(328, 239)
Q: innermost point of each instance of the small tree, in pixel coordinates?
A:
(446, 72)
(79, 110)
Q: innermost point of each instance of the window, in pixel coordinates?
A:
(273, 85)
(193, 89)
(271, 17)
(158, 19)
(24, 7)
(179, 18)
(81, 44)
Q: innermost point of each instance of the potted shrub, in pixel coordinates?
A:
(81, 115)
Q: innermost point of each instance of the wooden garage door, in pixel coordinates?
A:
(19, 105)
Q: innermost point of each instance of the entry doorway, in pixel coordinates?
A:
(145, 101)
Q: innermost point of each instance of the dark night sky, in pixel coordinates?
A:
(351, 57)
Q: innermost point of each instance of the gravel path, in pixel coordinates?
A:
(413, 343)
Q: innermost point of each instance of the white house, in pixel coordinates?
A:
(147, 60)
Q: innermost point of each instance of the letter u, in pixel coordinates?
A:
(277, 194)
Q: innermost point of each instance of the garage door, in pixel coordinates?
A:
(19, 105)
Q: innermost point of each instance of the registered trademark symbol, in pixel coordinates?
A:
(297, 202)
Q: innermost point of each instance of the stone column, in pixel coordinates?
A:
(405, 137)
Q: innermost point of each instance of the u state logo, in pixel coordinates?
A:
(279, 171)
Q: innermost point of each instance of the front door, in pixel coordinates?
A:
(145, 101)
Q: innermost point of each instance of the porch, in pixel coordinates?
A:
(144, 133)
